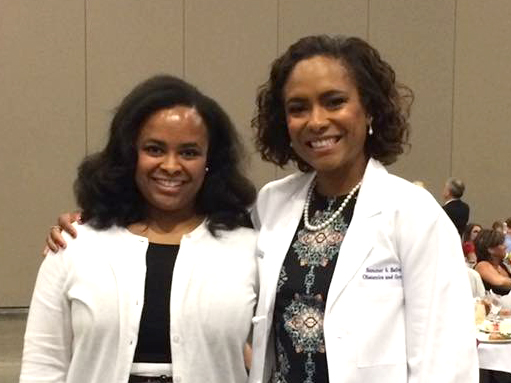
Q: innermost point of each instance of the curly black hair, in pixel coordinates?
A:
(485, 240)
(385, 100)
(105, 188)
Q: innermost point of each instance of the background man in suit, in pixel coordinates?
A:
(457, 210)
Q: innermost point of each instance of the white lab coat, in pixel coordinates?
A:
(87, 303)
(399, 307)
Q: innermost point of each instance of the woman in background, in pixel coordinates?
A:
(507, 234)
(498, 226)
(491, 251)
(160, 283)
(362, 273)
(467, 243)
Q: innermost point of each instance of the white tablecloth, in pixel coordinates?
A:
(495, 356)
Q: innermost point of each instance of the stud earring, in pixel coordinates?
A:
(370, 132)
(206, 169)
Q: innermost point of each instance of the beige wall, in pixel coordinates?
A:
(64, 65)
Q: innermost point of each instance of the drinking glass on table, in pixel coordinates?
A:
(496, 305)
(480, 312)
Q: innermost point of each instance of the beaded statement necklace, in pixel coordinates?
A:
(334, 215)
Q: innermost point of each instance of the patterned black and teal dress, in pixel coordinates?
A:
(302, 292)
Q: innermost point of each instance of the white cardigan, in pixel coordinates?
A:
(86, 308)
(399, 307)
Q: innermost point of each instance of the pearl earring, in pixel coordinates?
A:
(370, 131)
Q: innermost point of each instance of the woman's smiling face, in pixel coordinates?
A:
(326, 120)
(172, 151)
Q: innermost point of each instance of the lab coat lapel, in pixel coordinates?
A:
(282, 237)
(129, 268)
(361, 235)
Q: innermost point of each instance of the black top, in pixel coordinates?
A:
(496, 289)
(302, 293)
(154, 333)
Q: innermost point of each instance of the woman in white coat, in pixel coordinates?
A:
(160, 284)
(361, 272)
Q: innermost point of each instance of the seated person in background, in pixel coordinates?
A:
(457, 210)
(490, 253)
(468, 237)
(498, 225)
(507, 241)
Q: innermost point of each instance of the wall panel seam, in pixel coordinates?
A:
(275, 168)
(86, 105)
(453, 91)
(278, 28)
(183, 42)
(368, 17)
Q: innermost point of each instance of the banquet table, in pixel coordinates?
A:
(494, 362)
(495, 356)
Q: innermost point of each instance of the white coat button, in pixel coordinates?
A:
(177, 379)
(176, 339)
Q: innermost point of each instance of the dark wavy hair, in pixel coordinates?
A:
(106, 190)
(468, 230)
(487, 239)
(385, 100)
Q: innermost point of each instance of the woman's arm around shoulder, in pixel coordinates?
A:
(55, 239)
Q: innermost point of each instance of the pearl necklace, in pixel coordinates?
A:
(335, 214)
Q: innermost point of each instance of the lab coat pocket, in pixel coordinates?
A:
(380, 335)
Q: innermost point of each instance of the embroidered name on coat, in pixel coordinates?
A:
(382, 273)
